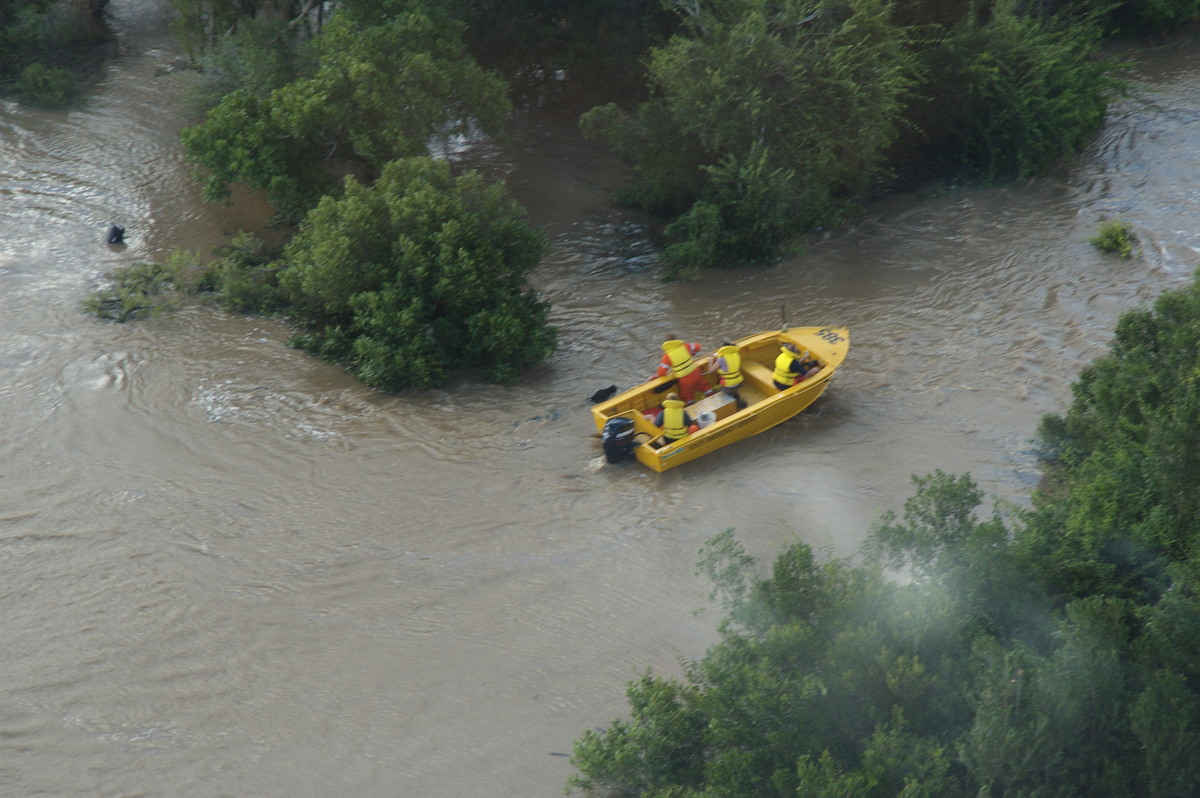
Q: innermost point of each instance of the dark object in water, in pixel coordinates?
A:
(116, 234)
(603, 393)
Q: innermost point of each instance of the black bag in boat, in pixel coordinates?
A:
(617, 439)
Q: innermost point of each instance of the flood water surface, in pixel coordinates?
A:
(227, 568)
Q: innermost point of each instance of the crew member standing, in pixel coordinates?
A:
(679, 359)
(727, 362)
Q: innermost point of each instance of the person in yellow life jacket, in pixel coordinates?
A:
(727, 362)
(792, 366)
(676, 422)
(679, 360)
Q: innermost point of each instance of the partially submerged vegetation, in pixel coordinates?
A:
(1048, 651)
(149, 289)
(768, 119)
(401, 282)
(402, 272)
(760, 121)
(47, 50)
(1115, 236)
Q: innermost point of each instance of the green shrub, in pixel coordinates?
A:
(245, 277)
(416, 275)
(148, 289)
(1115, 236)
(46, 86)
(766, 119)
(1016, 91)
(750, 213)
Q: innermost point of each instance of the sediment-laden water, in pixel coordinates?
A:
(228, 569)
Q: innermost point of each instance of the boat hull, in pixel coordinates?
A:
(766, 406)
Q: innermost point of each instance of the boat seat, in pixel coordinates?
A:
(760, 374)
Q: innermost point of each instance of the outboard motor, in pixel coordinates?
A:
(116, 234)
(617, 439)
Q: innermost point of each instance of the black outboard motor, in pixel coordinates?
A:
(116, 234)
(617, 439)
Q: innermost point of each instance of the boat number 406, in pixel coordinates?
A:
(830, 336)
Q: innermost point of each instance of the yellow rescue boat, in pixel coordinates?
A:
(626, 422)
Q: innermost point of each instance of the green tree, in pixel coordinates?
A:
(942, 541)
(1166, 721)
(1013, 92)
(1125, 459)
(418, 274)
(816, 687)
(1056, 724)
(765, 118)
(379, 92)
(257, 56)
(45, 52)
(658, 748)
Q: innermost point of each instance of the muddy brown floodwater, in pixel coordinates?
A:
(228, 569)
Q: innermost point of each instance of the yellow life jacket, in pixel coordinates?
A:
(783, 368)
(732, 374)
(680, 357)
(674, 425)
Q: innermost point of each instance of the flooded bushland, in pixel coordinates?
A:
(228, 568)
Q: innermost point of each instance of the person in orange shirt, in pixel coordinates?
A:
(679, 359)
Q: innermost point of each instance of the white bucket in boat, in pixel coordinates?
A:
(706, 418)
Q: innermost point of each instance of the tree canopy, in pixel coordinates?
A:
(418, 274)
(769, 118)
(760, 121)
(379, 91)
(765, 116)
(45, 50)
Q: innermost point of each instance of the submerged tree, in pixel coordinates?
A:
(766, 117)
(46, 48)
(380, 91)
(416, 275)
(404, 282)
(1009, 91)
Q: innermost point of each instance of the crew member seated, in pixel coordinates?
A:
(676, 422)
(792, 366)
